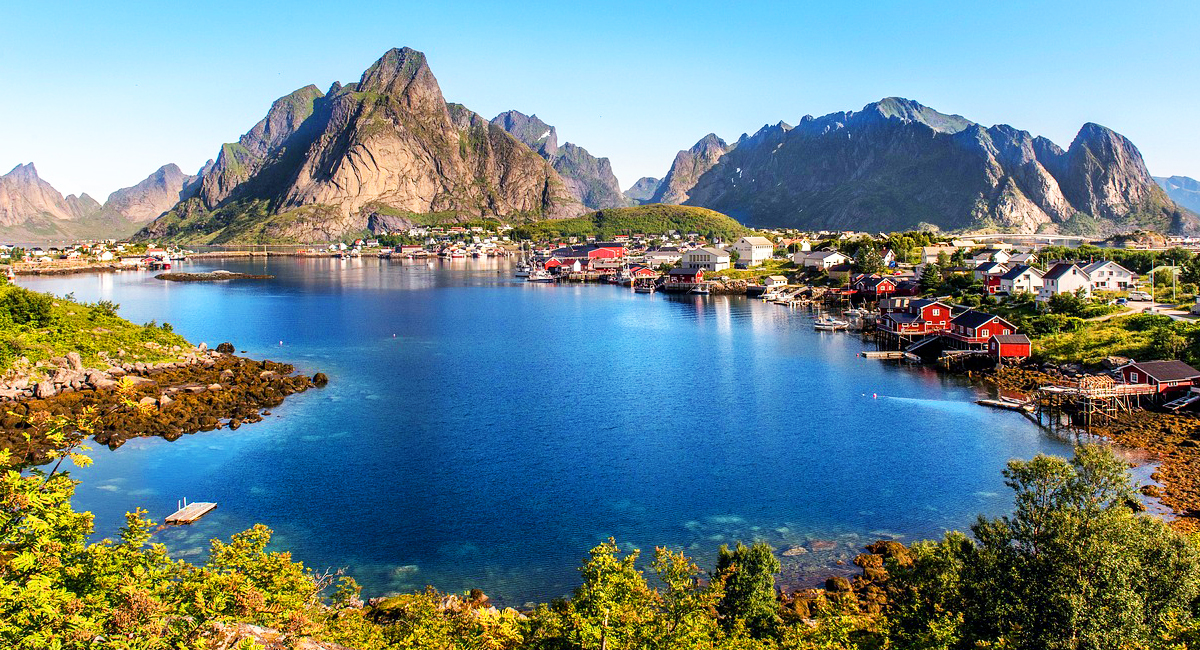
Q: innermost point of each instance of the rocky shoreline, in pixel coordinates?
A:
(202, 391)
(211, 276)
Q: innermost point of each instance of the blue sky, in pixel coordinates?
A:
(99, 94)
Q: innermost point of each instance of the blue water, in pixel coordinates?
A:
(478, 431)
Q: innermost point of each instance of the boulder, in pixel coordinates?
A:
(214, 386)
(74, 361)
(147, 401)
(320, 380)
(202, 348)
(44, 389)
(225, 348)
(838, 584)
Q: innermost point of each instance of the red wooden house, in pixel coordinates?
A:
(874, 286)
(639, 271)
(1009, 346)
(922, 316)
(1165, 376)
(685, 276)
(973, 329)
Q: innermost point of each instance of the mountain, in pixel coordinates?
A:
(32, 210)
(687, 169)
(588, 178)
(897, 165)
(153, 196)
(379, 154)
(643, 190)
(1182, 190)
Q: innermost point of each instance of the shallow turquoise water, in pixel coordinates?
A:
(479, 431)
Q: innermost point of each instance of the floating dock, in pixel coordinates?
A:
(190, 512)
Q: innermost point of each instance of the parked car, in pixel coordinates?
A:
(1122, 301)
(1140, 295)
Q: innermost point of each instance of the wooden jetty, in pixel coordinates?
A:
(890, 354)
(1088, 400)
(190, 512)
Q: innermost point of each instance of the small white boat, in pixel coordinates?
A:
(539, 275)
(643, 288)
(522, 270)
(701, 289)
(829, 324)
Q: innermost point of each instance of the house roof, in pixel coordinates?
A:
(1059, 270)
(991, 267)
(973, 319)
(1019, 270)
(921, 303)
(777, 278)
(685, 271)
(711, 251)
(1166, 370)
(1009, 339)
(822, 255)
(901, 317)
(1099, 264)
(757, 241)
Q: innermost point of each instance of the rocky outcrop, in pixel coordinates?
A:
(898, 165)
(589, 179)
(201, 391)
(643, 190)
(687, 169)
(1182, 190)
(374, 154)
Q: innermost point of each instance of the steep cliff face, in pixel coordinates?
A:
(897, 164)
(385, 152)
(687, 169)
(643, 190)
(589, 179)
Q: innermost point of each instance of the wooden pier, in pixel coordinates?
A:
(1087, 401)
(190, 512)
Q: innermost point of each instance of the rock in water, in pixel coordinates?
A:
(225, 348)
(320, 380)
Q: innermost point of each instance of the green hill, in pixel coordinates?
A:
(653, 219)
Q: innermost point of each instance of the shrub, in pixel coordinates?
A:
(26, 307)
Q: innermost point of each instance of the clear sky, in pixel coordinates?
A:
(99, 94)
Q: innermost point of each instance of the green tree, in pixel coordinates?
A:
(868, 260)
(748, 576)
(931, 278)
(1072, 568)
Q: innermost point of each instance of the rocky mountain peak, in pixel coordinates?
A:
(282, 120)
(403, 73)
(643, 190)
(907, 110)
(23, 173)
(531, 130)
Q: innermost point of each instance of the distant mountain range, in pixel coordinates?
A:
(1182, 190)
(897, 165)
(32, 210)
(387, 152)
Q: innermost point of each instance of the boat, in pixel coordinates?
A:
(829, 324)
(522, 270)
(539, 275)
(644, 287)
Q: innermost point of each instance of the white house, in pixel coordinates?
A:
(982, 271)
(1021, 278)
(990, 255)
(1064, 277)
(1107, 275)
(659, 256)
(709, 259)
(1023, 258)
(753, 251)
(819, 259)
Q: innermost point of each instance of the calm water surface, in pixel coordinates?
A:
(479, 431)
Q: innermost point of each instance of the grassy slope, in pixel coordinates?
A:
(654, 219)
(86, 329)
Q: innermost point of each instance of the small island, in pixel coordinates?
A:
(211, 276)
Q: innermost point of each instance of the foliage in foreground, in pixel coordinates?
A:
(1073, 567)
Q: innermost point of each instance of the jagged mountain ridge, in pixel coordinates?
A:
(588, 178)
(1182, 190)
(379, 154)
(31, 209)
(897, 164)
